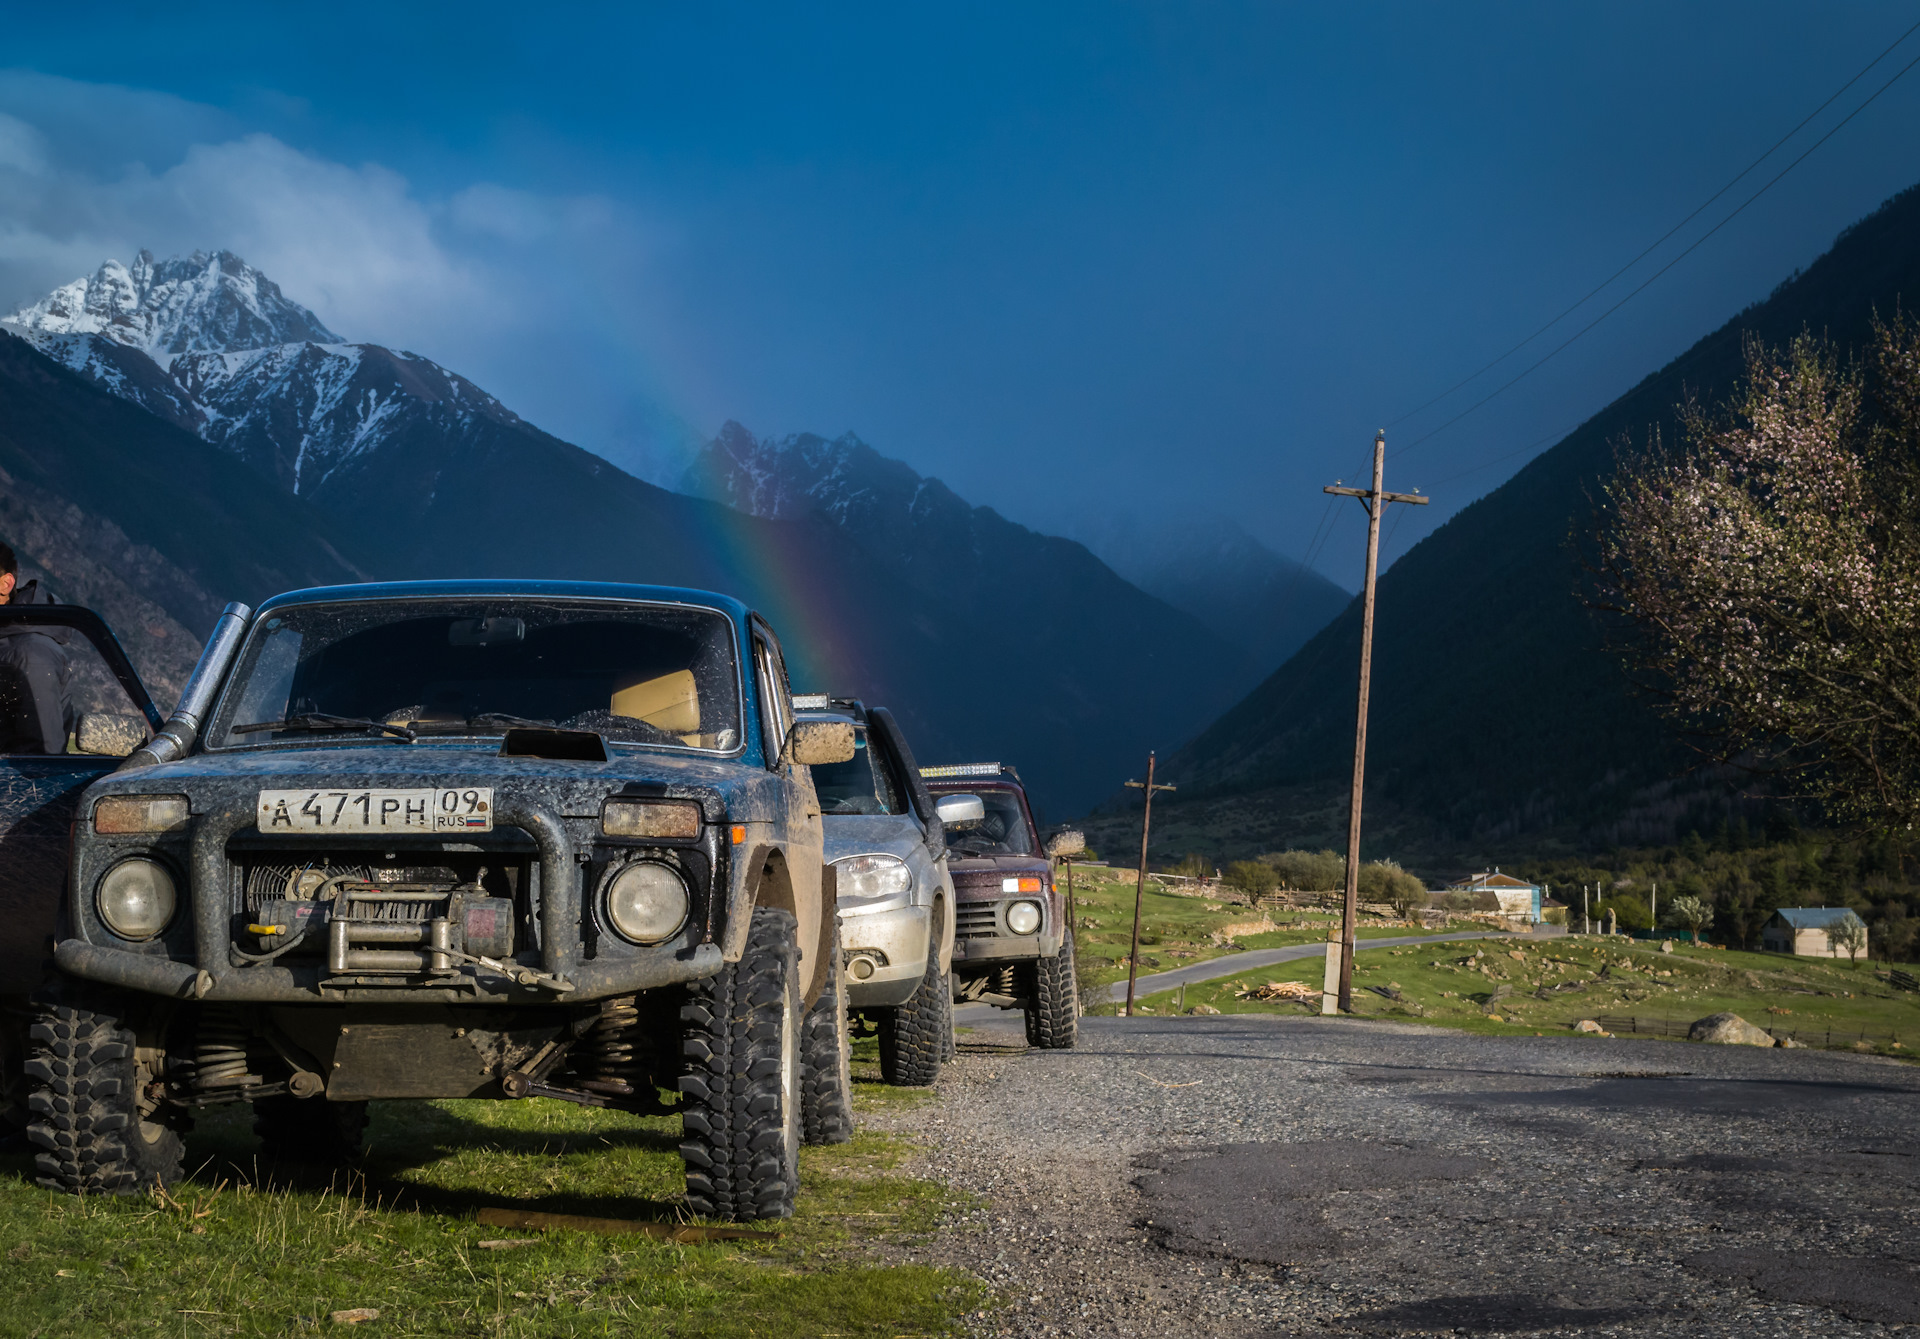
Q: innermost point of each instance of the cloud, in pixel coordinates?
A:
(532, 296)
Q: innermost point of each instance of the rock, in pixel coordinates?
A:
(1203, 1009)
(1588, 1025)
(1495, 1018)
(1789, 1044)
(1666, 946)
(1728, 1030)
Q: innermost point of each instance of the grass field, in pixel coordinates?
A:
(244, 1250)
(1177, 930)
(1556, 982)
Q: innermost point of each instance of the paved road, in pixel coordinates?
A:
(1235, 963)
(1254, 1175)
(972, 1015)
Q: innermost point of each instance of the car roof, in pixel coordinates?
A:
(497, 589)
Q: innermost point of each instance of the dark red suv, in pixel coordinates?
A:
(1013, 940)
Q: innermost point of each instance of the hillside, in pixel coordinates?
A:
(1498, 722)
(300, 452)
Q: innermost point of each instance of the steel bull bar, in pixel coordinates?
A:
(217, 977)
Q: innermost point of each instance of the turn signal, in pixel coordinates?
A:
(1025, 884)
(650, 818)
(122, 814)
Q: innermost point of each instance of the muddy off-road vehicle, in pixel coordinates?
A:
(886, 841)
(1013, 937)
(447, 839)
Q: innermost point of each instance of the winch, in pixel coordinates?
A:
(366, 920)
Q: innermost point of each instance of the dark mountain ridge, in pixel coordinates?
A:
(1498, 721)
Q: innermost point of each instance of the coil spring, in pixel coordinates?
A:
(1005, 980)
(606, 1055)
(220, 1050)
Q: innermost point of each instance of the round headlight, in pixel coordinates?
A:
(136, 898)
(865, 876)
(646, 902)
(1023, 918)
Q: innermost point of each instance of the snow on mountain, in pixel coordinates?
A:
(211, 344)
(199, 303)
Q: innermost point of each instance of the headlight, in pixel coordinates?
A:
(866, 876)
(119, 814)
(646, 902)
(1023, 918)
(650, 818)
(136, 898)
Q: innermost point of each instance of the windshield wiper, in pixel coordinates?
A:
(321, 720)
(511, 721)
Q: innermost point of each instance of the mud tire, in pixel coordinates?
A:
(826, 1062)
(1053, 1007)
(83, 1103)
(740, 1108)
(915, 1036)
(310, 1130)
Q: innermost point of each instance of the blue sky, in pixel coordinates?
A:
(1080, 261)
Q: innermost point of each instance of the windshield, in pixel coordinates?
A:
(1005, 830)
(640, 674)
(859, 785)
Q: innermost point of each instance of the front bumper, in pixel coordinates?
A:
(690, 956)
(982, 937)
(901, 937)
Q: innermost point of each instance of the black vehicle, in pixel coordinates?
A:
(445, 839)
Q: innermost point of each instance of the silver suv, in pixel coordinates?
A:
(886, 843)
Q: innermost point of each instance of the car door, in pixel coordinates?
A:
(884, 730)
(39, 792)
(806, 837)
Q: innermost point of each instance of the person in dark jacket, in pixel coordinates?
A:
(36, 713)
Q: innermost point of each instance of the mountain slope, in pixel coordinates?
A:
(1245, 593)
(416, 472)
(143, 520)
(1497, 718)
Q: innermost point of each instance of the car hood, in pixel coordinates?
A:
(569, 789)
(981, 875)
(872, 834)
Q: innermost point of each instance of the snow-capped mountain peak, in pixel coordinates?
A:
(204, 303)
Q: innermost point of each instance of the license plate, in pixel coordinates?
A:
(467, 809)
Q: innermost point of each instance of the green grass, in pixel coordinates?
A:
(1446, 984)
(237, 1250)
(1176, 931)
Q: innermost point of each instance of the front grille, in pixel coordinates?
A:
(406, 912)
(980, 920)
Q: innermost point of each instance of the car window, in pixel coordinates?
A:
(861, 785)
(1005, 830)
(662, 675)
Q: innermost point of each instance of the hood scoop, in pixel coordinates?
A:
(559, 745)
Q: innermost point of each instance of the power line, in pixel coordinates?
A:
(1645, 284)
(1658, 242)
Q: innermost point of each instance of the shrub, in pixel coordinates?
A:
(1385, 881)
(1308, 871)
(1253, 877)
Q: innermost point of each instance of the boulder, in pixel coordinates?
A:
(1788, 1044)
(1728, 1030)
(1666, 946)
(1588, 1025)
(1203, 1009)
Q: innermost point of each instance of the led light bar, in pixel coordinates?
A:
(963, 769)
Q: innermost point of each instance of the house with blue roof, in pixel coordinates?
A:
(1803, 931)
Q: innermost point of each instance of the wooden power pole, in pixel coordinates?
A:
(1140, 888)
(1375, 500)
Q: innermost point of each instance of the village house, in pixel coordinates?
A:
(1803, 931)
(1520, 901)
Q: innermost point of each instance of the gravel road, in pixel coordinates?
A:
(1261, 1175)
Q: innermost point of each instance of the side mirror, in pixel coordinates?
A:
(1066, 843)
(960, 811)
(108, 734)
(816, 742)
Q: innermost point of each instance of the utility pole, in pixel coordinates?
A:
(1140, 887)
(1375, 500)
